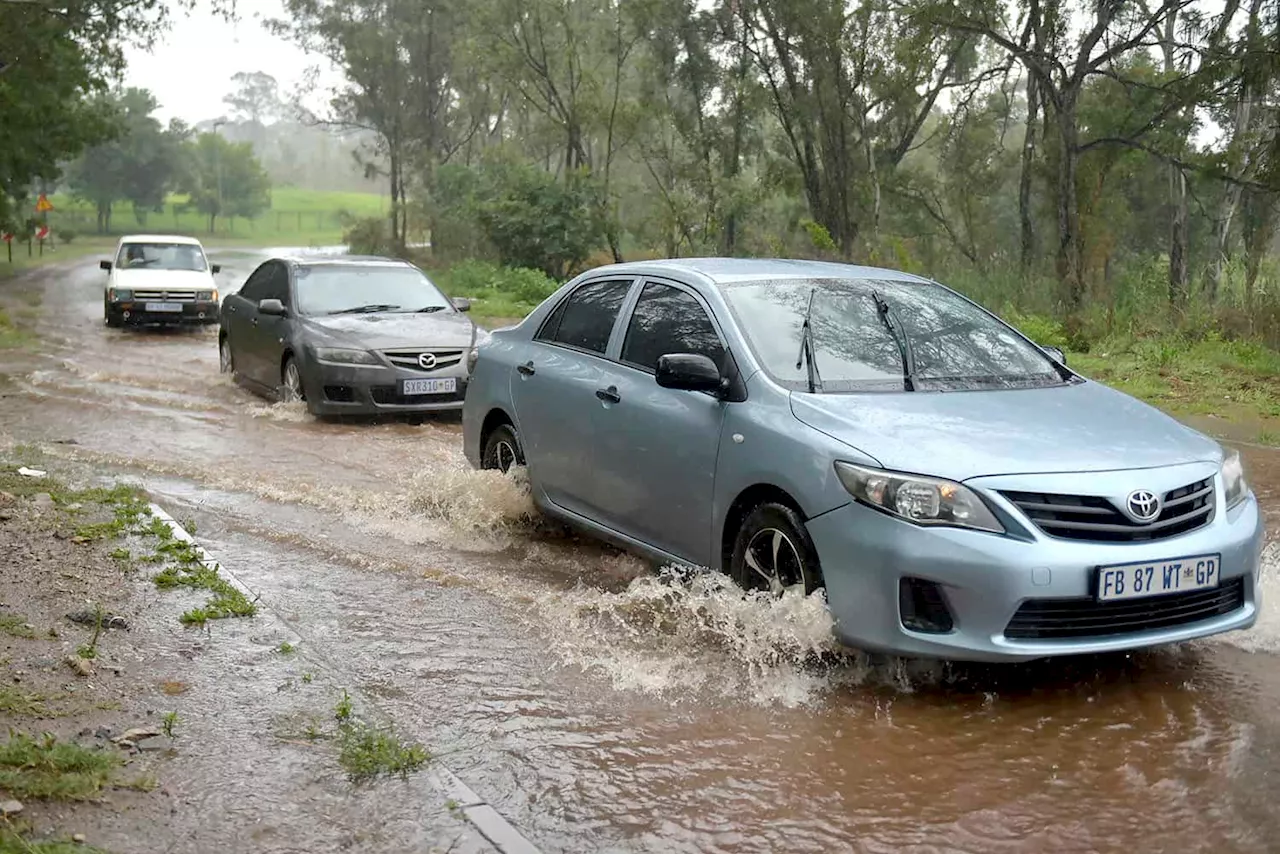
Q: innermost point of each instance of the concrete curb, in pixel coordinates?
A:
(499, 832)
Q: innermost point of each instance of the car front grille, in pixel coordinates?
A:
(1088, 517)
(1062, 619)
(165, 296)
(389, 395)
(410, 359)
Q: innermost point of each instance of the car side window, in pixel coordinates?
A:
(277, 284)
(585, 319)
(255, 287)
(668, 320)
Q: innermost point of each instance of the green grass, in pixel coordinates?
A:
(296, 216)
(16, 626)
(16, 702)
(13, 335)
(1236, 380)
(12, 841)
(46, 768)
(501, 294)
(366, 752)
(81, 247)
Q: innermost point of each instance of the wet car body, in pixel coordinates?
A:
(145, 287)
(364, 361)
(1040, 556)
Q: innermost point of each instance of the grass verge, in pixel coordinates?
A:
(186, 568)
(367, 752)
(46, 768)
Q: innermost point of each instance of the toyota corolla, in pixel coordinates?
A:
(955, 489)
(349, 336)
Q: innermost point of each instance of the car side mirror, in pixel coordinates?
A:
(272, 308)
(461, 303)
(1055, 353)
(106, 265)
(688, 372)
(216, 268)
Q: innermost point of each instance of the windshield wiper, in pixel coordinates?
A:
(889, 318)
(365, 309)
(807, 349)
(427, 309)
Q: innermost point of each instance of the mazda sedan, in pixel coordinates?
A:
(956, 490)
(349, 336)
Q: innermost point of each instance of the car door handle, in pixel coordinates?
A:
(527, 369)
(609, 395)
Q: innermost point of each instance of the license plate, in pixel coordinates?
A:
(1138, 580)
(441, 386)
(165, 306)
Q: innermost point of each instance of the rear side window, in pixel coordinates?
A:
(255, 289)
(668, 320)
(586, 317)
(277, 284)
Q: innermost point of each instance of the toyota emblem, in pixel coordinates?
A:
(426, 361)
(1143, 506)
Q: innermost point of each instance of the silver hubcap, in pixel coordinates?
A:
(774, 561)
(292, 383)
(504, 456)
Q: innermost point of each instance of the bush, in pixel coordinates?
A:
(368, 236)
(1042, 330)
(521, 284)
(66, 235)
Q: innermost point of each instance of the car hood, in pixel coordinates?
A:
(960, 435)
(387, 331)
(162, 280)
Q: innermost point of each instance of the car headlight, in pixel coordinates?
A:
(472, 358)
(1234, 486)
(338, 356)
(118, 295)
(917, 499)
(207, 296)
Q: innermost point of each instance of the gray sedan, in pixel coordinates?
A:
(955, 490)
(349, 336)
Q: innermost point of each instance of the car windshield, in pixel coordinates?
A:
(955, 345)
(161, 256)
(354, 288)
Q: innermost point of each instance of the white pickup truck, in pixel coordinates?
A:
(159, 279)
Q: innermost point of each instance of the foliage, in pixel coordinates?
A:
(368, 236)
(225, 179)
(47, 768)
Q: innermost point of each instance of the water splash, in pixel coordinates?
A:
(293, 411)
(1265, 634)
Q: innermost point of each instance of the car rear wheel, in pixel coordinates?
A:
(773, 552)
(502, 450)
(226, 360)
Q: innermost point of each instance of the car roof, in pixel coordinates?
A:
(160, 238)
(723, 271)
(343, 261)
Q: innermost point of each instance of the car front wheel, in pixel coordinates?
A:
(773, 552)
(502, 450)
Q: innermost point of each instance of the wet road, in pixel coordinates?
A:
(604, 709)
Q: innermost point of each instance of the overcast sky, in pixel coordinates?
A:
(189, 70)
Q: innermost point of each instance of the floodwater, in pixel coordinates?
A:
(602, 707)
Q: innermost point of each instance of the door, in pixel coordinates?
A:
(654, 458)
(268, 333)
(241, 312)
(554, 391)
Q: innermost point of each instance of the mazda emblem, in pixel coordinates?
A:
(426, 361)
(1143, 506)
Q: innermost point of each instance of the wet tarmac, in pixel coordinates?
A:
(601, 707)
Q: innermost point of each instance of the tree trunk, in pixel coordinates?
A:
(1024, 182)
(1070, 239)
(1177, 191)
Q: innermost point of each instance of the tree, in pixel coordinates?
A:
(139, 166)
(256, 97)
(224, 179)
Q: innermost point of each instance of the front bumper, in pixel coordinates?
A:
(984, 580)
(197, 312)
(377, 390)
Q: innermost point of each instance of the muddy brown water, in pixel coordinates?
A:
(603, 708)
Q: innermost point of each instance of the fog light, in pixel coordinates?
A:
(922, 607)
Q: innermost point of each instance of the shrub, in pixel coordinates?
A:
(66, 235)
(368, 236)
(1042, 330)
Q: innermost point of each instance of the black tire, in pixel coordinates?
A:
(113, 319)
(774, 534)
(502, 449)
(226, 357)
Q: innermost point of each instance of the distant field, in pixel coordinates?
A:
(296, 217)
